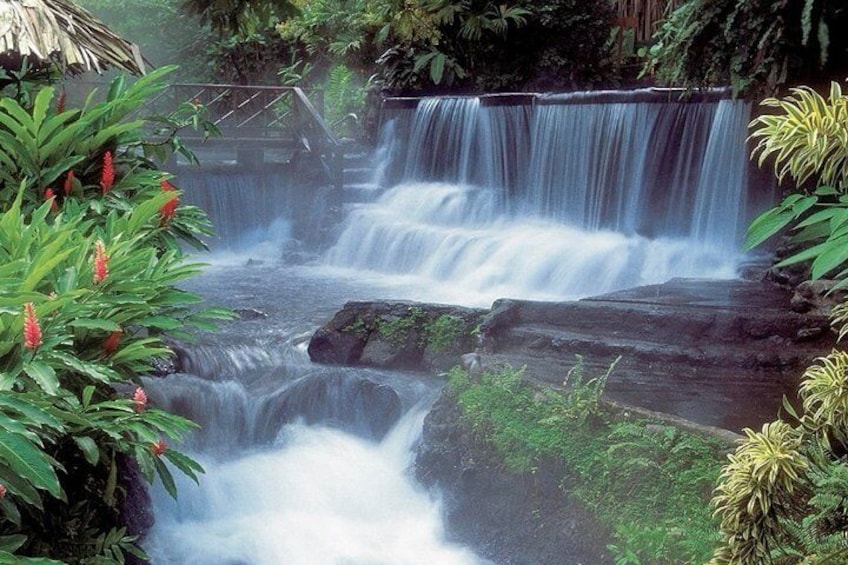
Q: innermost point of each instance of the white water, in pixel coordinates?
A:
(464, 220)
(558, 202)
(318, 496)
(450, 238)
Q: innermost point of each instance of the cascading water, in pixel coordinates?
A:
(305, 464)
(560, 198)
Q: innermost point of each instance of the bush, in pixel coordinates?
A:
(90, 256)
(648, 482)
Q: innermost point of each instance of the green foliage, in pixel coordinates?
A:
(756, 484)
(344, 100)
(781, 498)
(445, 331)
(807, 140)
(647, 482)
(755, 46)
(234, 16)
(397, 331)
(808, 137)
(89, 264)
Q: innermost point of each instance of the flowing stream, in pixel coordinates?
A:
(305, 465)
(309, 465)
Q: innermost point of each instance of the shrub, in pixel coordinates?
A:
(647, 482)
(90, 256)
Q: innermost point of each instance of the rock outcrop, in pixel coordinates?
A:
(513, 519)
(396, 335)
(719, 353)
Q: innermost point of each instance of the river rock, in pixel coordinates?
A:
(515, 519)
(397, 335)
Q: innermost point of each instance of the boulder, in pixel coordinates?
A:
(397, 335)
(519, 519)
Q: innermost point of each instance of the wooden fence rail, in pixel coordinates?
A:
(259, 117)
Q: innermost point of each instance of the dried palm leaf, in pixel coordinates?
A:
(61, 32)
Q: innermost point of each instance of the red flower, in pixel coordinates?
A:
(32, 331)
(69, 183)
(158, 448)
(107, 177)
(50, 195)
(101, 262)
(169, 208)
(140, 399)
(110, 344)
(2, 491)
(60, 104)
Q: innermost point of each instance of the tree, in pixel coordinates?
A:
(232, 16)
(756, 46)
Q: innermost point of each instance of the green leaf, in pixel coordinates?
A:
(43, 375)
(437, 68)
(12, 543)
(95, 324)
(187, 465)
(166, 477)
(24, 458)
(89, 449)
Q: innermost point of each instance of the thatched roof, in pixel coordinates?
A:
(61, 31)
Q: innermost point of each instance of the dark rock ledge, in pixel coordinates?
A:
(718, 353)
(708, 356)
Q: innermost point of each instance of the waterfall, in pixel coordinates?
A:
(305, 464)
(246, 208)
(555, 196)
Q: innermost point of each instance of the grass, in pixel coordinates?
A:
(650, 483)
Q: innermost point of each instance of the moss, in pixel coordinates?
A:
(649, 482)
(445, 331)
(397, 331)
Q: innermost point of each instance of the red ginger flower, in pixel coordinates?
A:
(169, 208)
(101, 262)
(69, 183)
(32, 331)
(110, 344)
(158, 448)
(60, 104)
(107, 176)
(50, 195)
(140, 399)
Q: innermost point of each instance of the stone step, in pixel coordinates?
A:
(685, 349)
(364, 192)
(358, 175)
(679, 313)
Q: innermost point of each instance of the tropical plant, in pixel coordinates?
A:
(781, 497)
(806, 139)
(91, 237)
(755, 46)
(755, 492)
(646, 482)
(232, 16)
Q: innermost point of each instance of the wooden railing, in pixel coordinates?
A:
(259, 117)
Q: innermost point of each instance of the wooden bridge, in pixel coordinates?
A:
(253, 119)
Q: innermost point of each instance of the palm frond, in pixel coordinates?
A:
(60, 31)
